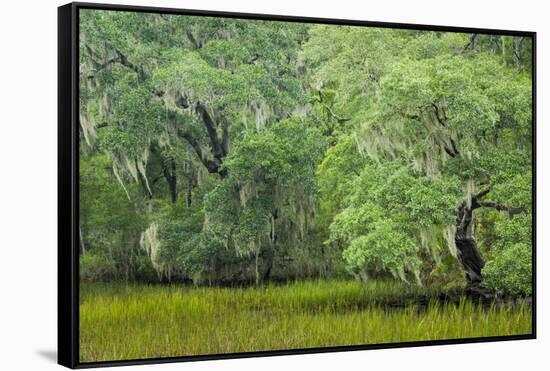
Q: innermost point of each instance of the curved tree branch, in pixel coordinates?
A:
(500, 207)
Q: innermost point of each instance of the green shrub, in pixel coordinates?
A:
(510, 271)
(96, 268)
(144, 270)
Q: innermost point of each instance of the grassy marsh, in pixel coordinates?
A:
(119, 321)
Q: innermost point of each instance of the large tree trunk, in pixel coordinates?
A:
(169, 171)
(269, 252)
(267, 258)
(257, 265)
(466, 245)
(518, 41)
(81, 240)
(189, 196)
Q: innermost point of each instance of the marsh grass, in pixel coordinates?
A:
(119, 321)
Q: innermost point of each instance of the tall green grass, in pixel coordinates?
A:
(120, 321)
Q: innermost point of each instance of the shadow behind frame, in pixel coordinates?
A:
(68, 184)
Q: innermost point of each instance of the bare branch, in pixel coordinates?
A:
(500, 207)
(483, 193)
(449, 151)
(217, 149)
(123, 59)
(471, 42)
(518, 41)
(338, 118)
(213, 166)
(440, 119)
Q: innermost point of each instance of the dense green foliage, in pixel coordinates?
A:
(223, 151)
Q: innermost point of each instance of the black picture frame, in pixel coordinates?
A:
(68, 187)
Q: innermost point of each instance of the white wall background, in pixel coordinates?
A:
(28, 181)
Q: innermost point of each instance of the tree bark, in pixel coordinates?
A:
(269, 253)
(256, 265)
(518, 41)
(81, 239)
(143, 183)
(189, 196)
(466, 245)
(267, 258)
(471, 42)
(217, 150)
(171, 179)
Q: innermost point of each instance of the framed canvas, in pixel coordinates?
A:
(238, 185)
